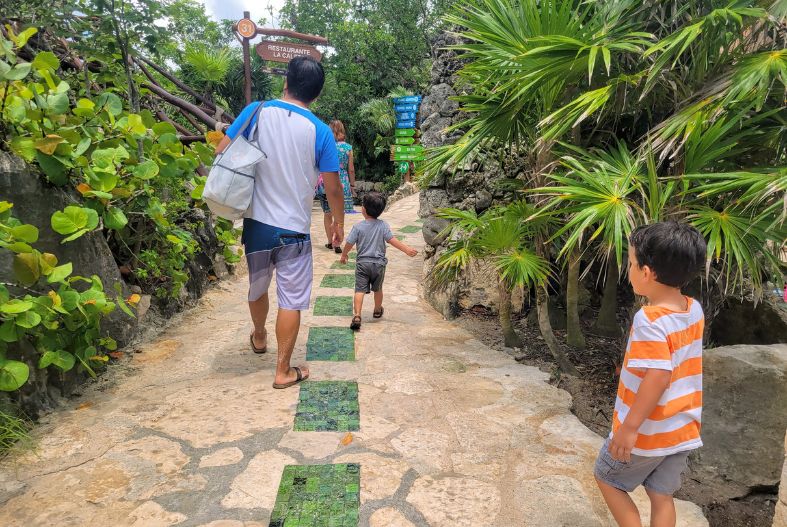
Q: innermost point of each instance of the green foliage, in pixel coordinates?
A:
(57, 313)
(13, 431)
(92, 145)
(665, 112)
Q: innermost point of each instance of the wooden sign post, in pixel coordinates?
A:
(272, 50)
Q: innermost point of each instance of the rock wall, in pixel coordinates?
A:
(476, 186)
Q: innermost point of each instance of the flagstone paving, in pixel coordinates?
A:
(189, 432)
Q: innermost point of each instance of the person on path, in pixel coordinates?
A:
(276, 227)
(656, 422)
(371, 235)
(347, 177)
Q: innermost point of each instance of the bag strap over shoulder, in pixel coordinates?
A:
(255, 132)
(257, 113)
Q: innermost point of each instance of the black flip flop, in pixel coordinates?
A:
(379, 314)
(255, 349)
(300, 378)
(328, 246)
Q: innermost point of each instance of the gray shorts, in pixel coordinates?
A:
(659, 474)
(369, 276)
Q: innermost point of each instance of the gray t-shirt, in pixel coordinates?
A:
(370, 236)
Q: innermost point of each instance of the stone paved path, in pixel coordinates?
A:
(451, 433)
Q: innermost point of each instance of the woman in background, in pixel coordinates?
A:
(347, 177)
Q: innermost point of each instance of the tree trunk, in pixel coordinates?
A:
(574, 336)
(510, 337)
(542, 306)
(607, 323)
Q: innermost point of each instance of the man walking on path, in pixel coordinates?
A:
(298, 147)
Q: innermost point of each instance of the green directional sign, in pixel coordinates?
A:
(414, 149)
(403, 156)
(405, 140)
(404, 132)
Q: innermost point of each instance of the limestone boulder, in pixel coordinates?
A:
(744, 418)
(780, 515)
(741, 321)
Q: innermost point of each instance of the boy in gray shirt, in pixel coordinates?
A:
(371, 235)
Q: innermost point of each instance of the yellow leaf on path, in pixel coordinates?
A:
(83, 188)
(84, 406)
(134, 299)
(99, 358)
(214, 137)
(347, 439)
(48, 144)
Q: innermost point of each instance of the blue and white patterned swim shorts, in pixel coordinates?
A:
(289, 253)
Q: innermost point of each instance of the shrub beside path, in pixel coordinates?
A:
(452, 433)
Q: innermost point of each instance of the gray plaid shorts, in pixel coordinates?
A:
(369, 276)
(660, 474)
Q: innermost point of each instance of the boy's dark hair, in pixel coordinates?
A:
(374, 203)
(674, 251)
(305, 78)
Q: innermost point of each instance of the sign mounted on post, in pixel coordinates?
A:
(286, 51)
(282, 52)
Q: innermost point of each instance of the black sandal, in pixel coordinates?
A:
(337, 250)
(355, 325)
(328, 246)
(379, 314)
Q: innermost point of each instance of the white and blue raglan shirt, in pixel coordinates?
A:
(298, 147)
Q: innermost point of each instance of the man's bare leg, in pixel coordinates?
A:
(259, 314)
(288, 323)
(327, 220)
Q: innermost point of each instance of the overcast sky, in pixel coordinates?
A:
(233, 9)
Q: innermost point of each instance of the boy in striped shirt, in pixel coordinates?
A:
(656, 422)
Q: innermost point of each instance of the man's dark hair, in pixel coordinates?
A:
(305, 78)
(674, 251)
(374, 203)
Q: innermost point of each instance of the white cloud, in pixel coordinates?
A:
(233, 9)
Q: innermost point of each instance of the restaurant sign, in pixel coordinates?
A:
(285, 51)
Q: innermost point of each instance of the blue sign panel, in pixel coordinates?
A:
(405, 124)
(406, 108)
(410, 99)
(405, 116)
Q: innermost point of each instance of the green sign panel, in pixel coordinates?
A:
(401, 156)
(405, 140)
(414, 149)
(404, 166)
(404, 132)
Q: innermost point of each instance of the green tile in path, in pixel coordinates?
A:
(337, 306)
(338, 281)
(318, 496)
(333, 344)
(328, 406)
(349, 266)
(399, 237)
(410, 229)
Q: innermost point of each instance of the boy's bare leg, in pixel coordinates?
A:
(378, 300)
(620, 505)
(288, 323)
(259, 314)
(358, 304)
(662, 509)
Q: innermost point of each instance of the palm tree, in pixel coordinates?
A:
(500, 236)
(694, 89)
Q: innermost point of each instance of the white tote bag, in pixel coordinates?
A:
(230, 184)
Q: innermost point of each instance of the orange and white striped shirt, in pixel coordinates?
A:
(665, 340)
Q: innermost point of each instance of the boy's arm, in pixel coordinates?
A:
(346, 252)
(406, 249)
(652, 387)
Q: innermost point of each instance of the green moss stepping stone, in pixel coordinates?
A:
(328, 406)
(338, 280)
(349, 266)
(400, 237)
(318, 496)
(410, 229)
(333, 306)
(330, 344)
